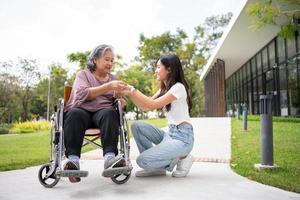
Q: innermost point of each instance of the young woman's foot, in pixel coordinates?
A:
(183, 166)
(72, 165)
(150, 172)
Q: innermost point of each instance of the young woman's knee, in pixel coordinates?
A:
(135, 127)
(143, 162)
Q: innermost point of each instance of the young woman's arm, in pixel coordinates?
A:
(156, 94)
(147, 103)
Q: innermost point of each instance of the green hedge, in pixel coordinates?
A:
(275, 119)
(4, 128)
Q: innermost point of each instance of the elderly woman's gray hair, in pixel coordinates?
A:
(98, 52)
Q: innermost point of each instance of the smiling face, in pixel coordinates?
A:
(161, 72)
(105, 62)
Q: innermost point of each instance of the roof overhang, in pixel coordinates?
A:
(239, 43)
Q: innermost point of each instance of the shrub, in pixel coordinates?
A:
(4, 128)
(275, 119)
(30, 126)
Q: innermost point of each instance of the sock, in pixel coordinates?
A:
(74, 158)
(109, 155)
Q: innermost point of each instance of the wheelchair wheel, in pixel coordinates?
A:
(121, 178)
(50, 181)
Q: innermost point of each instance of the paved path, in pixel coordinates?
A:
(207, 180)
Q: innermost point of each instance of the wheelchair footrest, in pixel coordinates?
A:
(75, 173)
(110, 172)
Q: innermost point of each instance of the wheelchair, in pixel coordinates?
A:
(50, 173)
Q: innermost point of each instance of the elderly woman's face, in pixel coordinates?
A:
(105, 63)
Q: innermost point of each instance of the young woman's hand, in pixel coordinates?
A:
(127, 90)
(117, 85)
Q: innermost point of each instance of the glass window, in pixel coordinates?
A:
(255, 99)
(272, 53)
(245, 92)
(234, 87)
(259, 87)
(248, 71)
(298, 41)
(241, 85)
(293, 89)
(249, 97)
(291, 47)
(253, 66)
(280, 49)
(245, 74)
(283, 90)
(269, 82)
(265, 59)
(258, 61)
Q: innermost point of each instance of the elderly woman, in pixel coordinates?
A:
(90, 106)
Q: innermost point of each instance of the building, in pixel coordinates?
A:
(247, 64)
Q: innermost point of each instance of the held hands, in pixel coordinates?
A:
(118, 86)
(128, 90)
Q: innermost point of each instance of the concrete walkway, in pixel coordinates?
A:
(210, 176)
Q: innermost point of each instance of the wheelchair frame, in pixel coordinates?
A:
(50, 173)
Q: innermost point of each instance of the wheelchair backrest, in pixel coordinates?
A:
(67, 93)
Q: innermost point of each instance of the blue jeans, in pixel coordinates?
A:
(169, 146)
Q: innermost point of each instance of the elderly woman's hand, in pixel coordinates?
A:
(117, 85)
(129, 89)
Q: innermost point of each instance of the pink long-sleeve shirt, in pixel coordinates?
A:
(80, 91)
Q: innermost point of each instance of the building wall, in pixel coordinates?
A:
(274, 69)
(215, 90)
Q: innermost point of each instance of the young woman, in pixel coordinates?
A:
(171, 147)
(90, 106)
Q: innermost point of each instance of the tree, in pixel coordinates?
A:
(141, 79)
(18, 81)
(58, 76)
(79, 57)
(9, 101)
(208, 34)
(193, 53)
(283, 13)
(151, 48)
(29, 75)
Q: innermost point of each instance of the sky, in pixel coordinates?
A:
(49, 30)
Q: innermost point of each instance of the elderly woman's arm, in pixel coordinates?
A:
(84, 91)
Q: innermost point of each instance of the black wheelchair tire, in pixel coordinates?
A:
(42, 178)
(122, 180)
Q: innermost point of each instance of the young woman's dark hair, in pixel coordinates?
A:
(173, 65)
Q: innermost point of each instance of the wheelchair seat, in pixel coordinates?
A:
(92, 132)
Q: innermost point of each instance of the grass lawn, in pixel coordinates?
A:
(246, 152)
(18, 151)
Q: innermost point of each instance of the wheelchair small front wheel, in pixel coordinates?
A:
(50, 181)
(121, 178)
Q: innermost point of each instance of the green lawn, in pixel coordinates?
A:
(18, 151)
(246, 152)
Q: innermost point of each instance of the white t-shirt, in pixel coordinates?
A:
(179, 111)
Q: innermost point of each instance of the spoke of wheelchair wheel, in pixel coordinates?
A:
(116, 176)
(44, 180)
